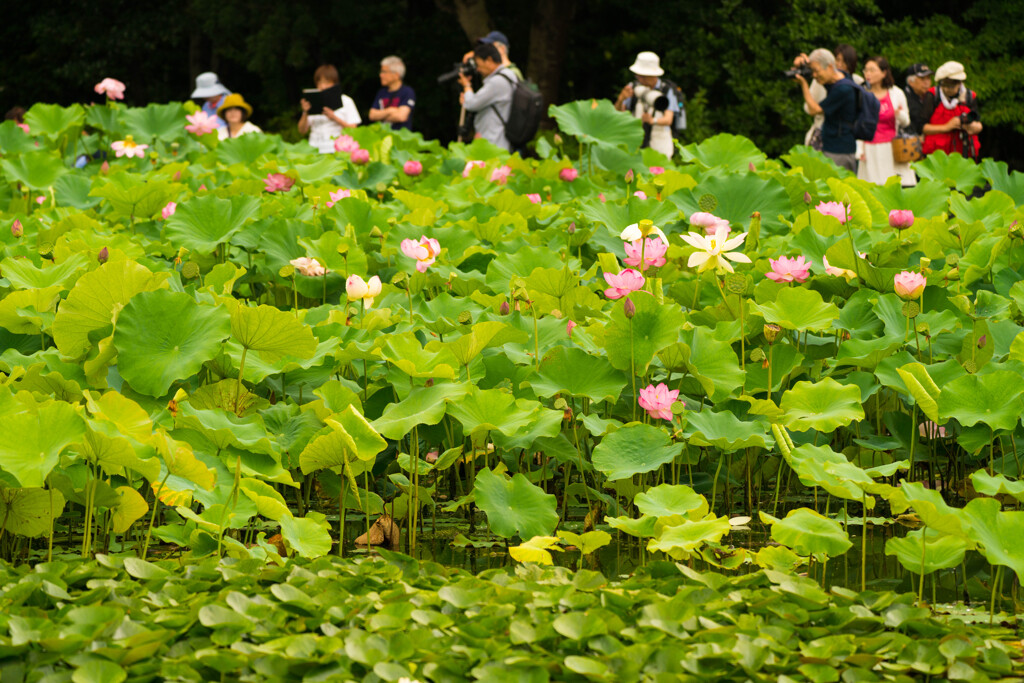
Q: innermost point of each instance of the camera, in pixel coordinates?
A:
(467, 67)
(802, 70)
(652, 100)
(969, 117)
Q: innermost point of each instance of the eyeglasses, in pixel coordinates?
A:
(949, 83)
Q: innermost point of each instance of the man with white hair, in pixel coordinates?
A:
(919, 81)
(838, 142)
(651, 100)
(395, 100)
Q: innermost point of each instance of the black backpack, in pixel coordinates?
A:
(868, 108)
(679, 120)
(526, 113)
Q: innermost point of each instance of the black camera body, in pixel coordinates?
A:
(802, 70)
(969, 117)
(467, 67)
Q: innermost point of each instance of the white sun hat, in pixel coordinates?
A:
(647, 64)
(209, 85)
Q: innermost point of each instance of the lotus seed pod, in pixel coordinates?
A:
(771, 332)
(285, 271)
(911, 309)
(465, 318)
(736, 283)
(757, 355)
(708, 202)
(190, 270)
(970, 366)
(45, 248)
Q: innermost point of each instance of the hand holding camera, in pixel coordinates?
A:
(801, 70)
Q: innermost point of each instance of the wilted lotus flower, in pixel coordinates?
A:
(168, 210)
(653, 253)
(201, 123)
(658, 400)
(534, 198)
(128, 148)
(909, 285)
(622, 284)
(835, 209)
(338, 196)
(712, 224)
(277, 182)
(789, 269)
(568, 174)
(425, 251)
(657, 170)
(16, 229)
(309, 267)
(771, 332)
(412, 168)
(360, 156)
(500, 175)
(345, 143)
(103, 255)
(112, 88)
(901, 220)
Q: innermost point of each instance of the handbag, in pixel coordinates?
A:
(906, 147)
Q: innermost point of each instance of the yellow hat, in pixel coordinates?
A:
(235, 100)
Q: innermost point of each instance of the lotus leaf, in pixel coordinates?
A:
(825, 405)
(305, 536)
(998, 533)
(131, 508)
(537, 549)
(809, 533)
(578, 373)
(939, 552)
(29, 511)
(671, 501)
(601, 125)
(653, 327)
(682, 541)
(36, 170)
(203, 223)
(993, 399)
(515, 506)
(634, 449)
(724, 431)
(272, 333)
(798, 309)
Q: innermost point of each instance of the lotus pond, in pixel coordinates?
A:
(626, 418)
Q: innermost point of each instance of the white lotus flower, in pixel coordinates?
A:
(714, 252)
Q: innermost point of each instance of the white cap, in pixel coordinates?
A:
(952, 70)
(647, 64)
(208, 85)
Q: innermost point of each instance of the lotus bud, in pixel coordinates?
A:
(103, 256)
(376, 233)
(177, 174)
(105, 168)
(190, 270)
(629, 308)
(807, 198)
(753, 169)
(981, 342)
(771, 332)
(504, 310)
(572, 228)
(557, 139)
(16, 229)
(901, 220)
(360, 156)
(629, 176)
(1014, 229)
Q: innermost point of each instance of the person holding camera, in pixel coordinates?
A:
(839, 107)
(492, 103)
(652, 101)
(846, 62)
(955, 122)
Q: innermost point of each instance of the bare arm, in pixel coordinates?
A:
(810, 105)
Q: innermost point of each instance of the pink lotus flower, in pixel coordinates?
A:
(534, 198)
(653, 253)
(623, 284)
(16, 229)
(360, 156)
(838, 272)
(105, 169)
(309, 267)
(837, 210)
(909, 284)
(568, 174)
(658, 400)
(600, 195)
(203, 187)
(358, 289)
(470, 165)
(345, 143)
(111, 87)
(789, 269)
(40, 199)
(640, 194)
(201, 123)
(412, 167)
(276, 182)
(338, 196)
(23, 126)
(500, 175)
(569, 326)
(128, 148)
(712, 224)
(901, 220)
(657, 170)
(425, 251)
(168, 210)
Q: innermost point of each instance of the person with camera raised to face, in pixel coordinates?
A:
(652, 101)
(492, 103)
(954, 116)
(846, 62)
(839, 108)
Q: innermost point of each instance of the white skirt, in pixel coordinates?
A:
(661, 140)
(877, 165)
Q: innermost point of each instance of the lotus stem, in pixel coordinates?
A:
(863, 540)
(341, 515)
(924, 547)
(714, 484)
(234, 502)
(995, 587)
(241, 369)
(913, 441)
(632, 367)
(152, 517)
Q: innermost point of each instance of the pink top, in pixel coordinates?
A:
(886, 129)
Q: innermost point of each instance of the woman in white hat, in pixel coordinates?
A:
(955, 114)
(656, 113)
(211, 91)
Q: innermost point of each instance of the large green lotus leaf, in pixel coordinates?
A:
(952, 170)
(922, 387)
(997, 485)
(322, 170)
(105, 119)
(797, 308)
(269, 503)
(824, 405)
(114, 453)
(133, 197)
(225, 430)
(821, 466)
(600, 124)
(98, 670)
(575, 372)
(424, 405)
(29, 511)
(993, 399)
(494, 410)
(163, 336)
(129, 510)
(642, 527)
(927, 199)
(202, 223)
(181, 462)
(95, 301)
(73, 190)
(634, 449)
(1003, 180)
(13, 140)
(246, 149)
(271, 332)
(812, 164)
(23, 274)
(29, 311)
(808, 533)
(724, 151)
(680, 542)
(930, 507)
(37, 170)
(34, 438)
(939, 551)
(125, 416)
(739, 196)
(519, 263)
(481, 336)
(258, 369)
(724, 431)
(992, 210)
(667, 500)
(653, 327)
(615, 216)
(304, 535)
(163, 121)
(713, 363)
(515, 506)
(351, 438)
(998, 533)
(53, 120)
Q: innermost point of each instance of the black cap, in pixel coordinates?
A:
(919, 70)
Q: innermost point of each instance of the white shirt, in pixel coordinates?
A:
(247, 127)
(323, 131)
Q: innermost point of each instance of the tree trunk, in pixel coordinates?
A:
(549, 34)
(473, 18)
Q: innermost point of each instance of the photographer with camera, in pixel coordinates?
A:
(492, 103)
(652, 101)
(955, 123)
(839, 107)
(846, 62)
